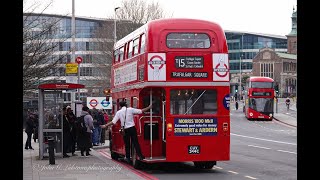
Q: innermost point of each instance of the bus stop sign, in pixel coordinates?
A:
(79, 59)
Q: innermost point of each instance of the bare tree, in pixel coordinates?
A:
(40, 43)
(132, 15)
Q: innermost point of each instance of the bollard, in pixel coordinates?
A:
(51, 150)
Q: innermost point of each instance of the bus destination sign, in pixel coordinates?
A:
(189, 62)
(189, 74)
(254, 93)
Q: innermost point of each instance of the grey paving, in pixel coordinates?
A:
(95, 167)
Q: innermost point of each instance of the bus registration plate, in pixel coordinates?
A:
(194, 149)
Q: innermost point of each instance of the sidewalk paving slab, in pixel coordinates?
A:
(95, 167)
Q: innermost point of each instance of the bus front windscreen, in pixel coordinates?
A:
(261, 84)
(263, 105)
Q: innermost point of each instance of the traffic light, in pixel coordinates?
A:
(236, 90)
(107, 92)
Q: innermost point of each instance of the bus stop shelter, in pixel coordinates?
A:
(50, 106)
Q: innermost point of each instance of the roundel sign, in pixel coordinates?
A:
(79, 59)
(93, 103)
(156, 67)
(220, 67)
(99, 102)
(156, 61)
(105, 103)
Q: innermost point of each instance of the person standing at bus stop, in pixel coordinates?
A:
(125, 115)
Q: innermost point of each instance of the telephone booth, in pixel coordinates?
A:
(51, 116)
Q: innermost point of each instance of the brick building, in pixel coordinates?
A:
(282, 67)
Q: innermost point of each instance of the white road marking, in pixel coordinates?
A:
(259, 147)
(233, 172)
(264, 139)
(287, 151)
(250, 177)
(218, 167)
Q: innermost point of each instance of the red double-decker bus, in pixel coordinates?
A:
(182, 66)
(259, 98)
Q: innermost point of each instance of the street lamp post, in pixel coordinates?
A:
(241, 55)
(115, 25)
(73, 33)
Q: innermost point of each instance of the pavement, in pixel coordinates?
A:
(95, 167)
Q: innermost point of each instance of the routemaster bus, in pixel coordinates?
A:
(259, 98)
(182, 67)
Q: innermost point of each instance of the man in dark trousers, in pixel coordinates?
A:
(66, 133)
(73, 130)
(126, 117)
(29, 130)
(237, 105)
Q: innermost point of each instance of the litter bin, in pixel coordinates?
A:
(51, 150)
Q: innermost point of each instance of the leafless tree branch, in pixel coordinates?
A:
(40, 44)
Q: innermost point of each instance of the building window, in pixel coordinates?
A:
(266, 70)
(86, 71)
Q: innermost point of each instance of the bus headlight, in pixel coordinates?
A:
(251, 114)
(270, 115)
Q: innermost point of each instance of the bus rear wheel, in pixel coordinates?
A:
(114, 155)
(205, 165)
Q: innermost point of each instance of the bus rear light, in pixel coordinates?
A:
(169, 127)
(225, 126)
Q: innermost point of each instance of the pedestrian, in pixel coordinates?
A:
(288, 103)
(96, 128)
(125, 114)
(237, 105)
(66, 133)
(73, 130)
(29, 130)
(105, 119)
(36, 129)
(85, 139)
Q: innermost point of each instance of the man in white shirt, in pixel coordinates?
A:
(125, 114)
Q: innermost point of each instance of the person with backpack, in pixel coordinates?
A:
(84, 129)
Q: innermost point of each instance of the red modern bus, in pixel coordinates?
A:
(259, 98)
(182, 66)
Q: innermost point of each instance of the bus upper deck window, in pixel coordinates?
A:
(188, 40)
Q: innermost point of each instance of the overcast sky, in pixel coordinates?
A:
(260, 16)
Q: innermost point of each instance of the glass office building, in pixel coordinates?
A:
(86, 46)
(246, 45)
(243, 47)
